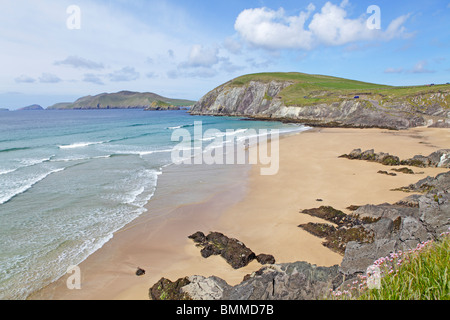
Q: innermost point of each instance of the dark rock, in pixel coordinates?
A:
(140, 272)
(404, 170)
(353, 208)
(198, 237)
(165, 289)
(349, 228)
(209, 250)
(265, 258)
(387, 173)
(330, 214)
(232, 250)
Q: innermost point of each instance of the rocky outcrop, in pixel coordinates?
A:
(403, 225)
(161, 106)
(438, 159)
(290, 281)
(262, 100)
(232, 250)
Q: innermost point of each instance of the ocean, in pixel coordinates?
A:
(70, 179)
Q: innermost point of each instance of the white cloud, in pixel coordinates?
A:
(393, 70)
(270, 29)
(232, 45)
(124, 74)
(263, 27)
(421, 67)
(92, 78)
(78, 62)
(200, 56)
(25, 79)
(49, 78)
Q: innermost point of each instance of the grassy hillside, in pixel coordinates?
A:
(314, 89)
(120, 100)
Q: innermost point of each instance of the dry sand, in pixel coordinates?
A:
(261, 211)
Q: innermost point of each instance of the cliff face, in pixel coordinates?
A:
(262, 100)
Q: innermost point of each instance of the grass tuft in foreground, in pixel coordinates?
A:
(419, 274)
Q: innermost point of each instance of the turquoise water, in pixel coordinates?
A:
(70, 179)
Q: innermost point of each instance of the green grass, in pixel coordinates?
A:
(421, 274)
(310, 89)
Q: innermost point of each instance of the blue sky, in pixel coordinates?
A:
(183, 49)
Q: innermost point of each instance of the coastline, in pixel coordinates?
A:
(260, 211)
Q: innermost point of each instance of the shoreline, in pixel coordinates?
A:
(260, 211)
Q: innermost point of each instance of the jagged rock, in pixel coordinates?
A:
(440, 158)
(381, 229)
(201, 288)
(435, 212)
(386, 210)
(410, 201)
(412, 229)
(292, 281)
(359, 256)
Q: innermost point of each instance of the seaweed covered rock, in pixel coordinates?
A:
(232, 250)
(349, 228)
(165, 289)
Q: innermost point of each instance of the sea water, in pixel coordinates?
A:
(70, 179)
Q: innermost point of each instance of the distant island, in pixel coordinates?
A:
(33, 107)
(124, 100)
(3, 109)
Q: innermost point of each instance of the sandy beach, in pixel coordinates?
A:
(261, 211)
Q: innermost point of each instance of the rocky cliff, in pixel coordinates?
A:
(326, 104)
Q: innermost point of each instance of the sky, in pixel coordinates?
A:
(58, 51)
